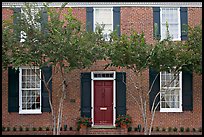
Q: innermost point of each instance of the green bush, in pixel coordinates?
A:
(181, 129)
(3, 128)
(8, 128)
(27, 129)
(169, 129)
(163, 129)
(47, 128)
(34, 129)
(187, 129)
(200, 129)
(129, 129)
(157, 128)
(40, 128)
(21, 128)
(14, 128)
(194, 130)
(70, 128)
(175, 129)
(135, 129)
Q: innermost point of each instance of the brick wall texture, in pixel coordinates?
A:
(138, 19)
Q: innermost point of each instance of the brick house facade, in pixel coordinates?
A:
(138, 17)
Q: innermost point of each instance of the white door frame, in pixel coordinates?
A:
(92, 91)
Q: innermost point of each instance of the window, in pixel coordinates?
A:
(31, 21)
(30, 90)
(171, 92)
(104, 16)
(172, 17)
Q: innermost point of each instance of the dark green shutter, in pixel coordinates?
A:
(156, 22)
(155, 88)
(44, 20)
(187, 94)
(89, 18)
(120, 93)
(16, 20)
(116, 19)
(184, 23)
(47, 72)
(13, 90)
(86, 94)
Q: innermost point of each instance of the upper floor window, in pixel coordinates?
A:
(30, 20)
(170, 16)
(104, 16)
(29, 90)
(171, 92)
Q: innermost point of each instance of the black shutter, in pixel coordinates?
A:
(47, 72)
(184, 23)
(156, 22)
(16, 20)
(86, 94)
(155, 88)
(187, 94)
(89, 18)
(120, 93)
(44, 20)
(13, 90)
(116, 19)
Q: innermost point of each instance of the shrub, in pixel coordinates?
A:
(123, 119)
(8, 128)
(21, 128)
(200, 129)
(135, 129)
(65, 127)
(169, 129)
(187, 129)
(194, 130)
(3, 128)
(163, 129)
(70, 128)
(84, 120)
(47, 128)
(40, 128)
(129, 129)
(175, 129)
(181, 129)
(157, 128)
(14, 128)
(27, 129)
(34, 129)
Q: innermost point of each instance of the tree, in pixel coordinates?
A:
(60, 43)
(133, 53)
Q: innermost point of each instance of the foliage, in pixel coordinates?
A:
(181, 129)
(187, 129)
(175, 129)
(84, 121)
(123, 119)
(129, 129)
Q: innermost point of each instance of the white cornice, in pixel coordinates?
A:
(110, 4)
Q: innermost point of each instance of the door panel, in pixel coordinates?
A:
(103, 102)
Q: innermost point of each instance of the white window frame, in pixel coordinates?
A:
(21, 111)
(94, 18)
(92, 92)
(179, 24)
(22, 33)
(180, 96)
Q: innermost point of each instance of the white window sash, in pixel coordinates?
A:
(94, 20)
(33, 111)
(179, 109)
(179, 25)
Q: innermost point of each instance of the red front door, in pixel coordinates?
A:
(103, 102)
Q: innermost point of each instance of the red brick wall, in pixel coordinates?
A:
(138, 18)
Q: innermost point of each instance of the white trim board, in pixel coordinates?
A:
(110, 4)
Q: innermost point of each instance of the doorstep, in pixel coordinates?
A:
(103, 127)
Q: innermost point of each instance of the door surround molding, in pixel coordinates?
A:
(92, 91)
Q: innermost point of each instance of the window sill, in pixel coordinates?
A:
(30, 112)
